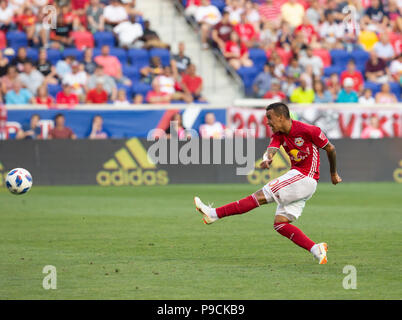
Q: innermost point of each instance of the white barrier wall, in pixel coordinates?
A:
(337, 120)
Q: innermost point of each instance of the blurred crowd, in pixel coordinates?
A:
(299, 38)
(85, 38)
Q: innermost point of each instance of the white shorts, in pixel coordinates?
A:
(290, 191)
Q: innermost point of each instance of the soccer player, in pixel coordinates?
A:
(291, 190)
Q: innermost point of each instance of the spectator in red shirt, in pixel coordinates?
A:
(70, 18)
(192, 83)
(246, 31)
(97, 94)
(43, 96)
(79, 6)
(308, 31)
(356, 75)
(60, 131)
(67, 96)
(275, 91)
(237, 53)
(26, 22)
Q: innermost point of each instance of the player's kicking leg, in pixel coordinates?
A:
(286, 213)
(210, 214)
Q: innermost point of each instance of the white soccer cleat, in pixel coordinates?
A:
(320, 252)
(205, 211)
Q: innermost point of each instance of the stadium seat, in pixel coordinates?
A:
(396, 89)
(3, 40)
(373, 86)
(258, 56)
(54, 55)
(220, 4)
(104, 38)
(78, 54)
(340, 57)
(32, 54)
(248, 75)
(360, 57)
(131, 72)
(163, 54)
(53, 89)
(83, 39)
(16, 39)
(120, 53)
(141, 88)
(140, 20)
(324, 55)
(333, 69)
(138, 57)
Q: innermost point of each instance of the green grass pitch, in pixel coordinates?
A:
(150, 243)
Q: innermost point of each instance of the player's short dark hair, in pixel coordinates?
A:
(280, 109)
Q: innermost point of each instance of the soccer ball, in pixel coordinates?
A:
(19, 181)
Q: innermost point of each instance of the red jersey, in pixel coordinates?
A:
(192, 83)
(307, 30)
(62, 98)
(275, 95)
(95, 96)
(301, 144)
(233, 47)
(245, 31)
(356, 76)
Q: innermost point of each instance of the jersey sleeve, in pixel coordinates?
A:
(275, 142)
(318, 137)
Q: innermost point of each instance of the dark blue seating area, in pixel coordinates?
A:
(138, 57)
(339, 59)
(163, 54)
(248, 75)
(132, 61)
(53, 89)
(376, 87)
(104, 38)
(78, 54)
(16, 39)
(54, 55)
(141, 88)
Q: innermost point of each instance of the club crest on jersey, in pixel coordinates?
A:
(299, 142)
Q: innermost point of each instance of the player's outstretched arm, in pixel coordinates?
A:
(267, 158)
(331, 153)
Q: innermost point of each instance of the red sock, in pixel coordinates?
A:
(295, 234)
(238, 207)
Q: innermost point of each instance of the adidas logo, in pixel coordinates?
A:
(131, 166)
(279, 165)
(398, 173)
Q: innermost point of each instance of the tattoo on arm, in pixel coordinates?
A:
(331, 153)
(269, 154)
